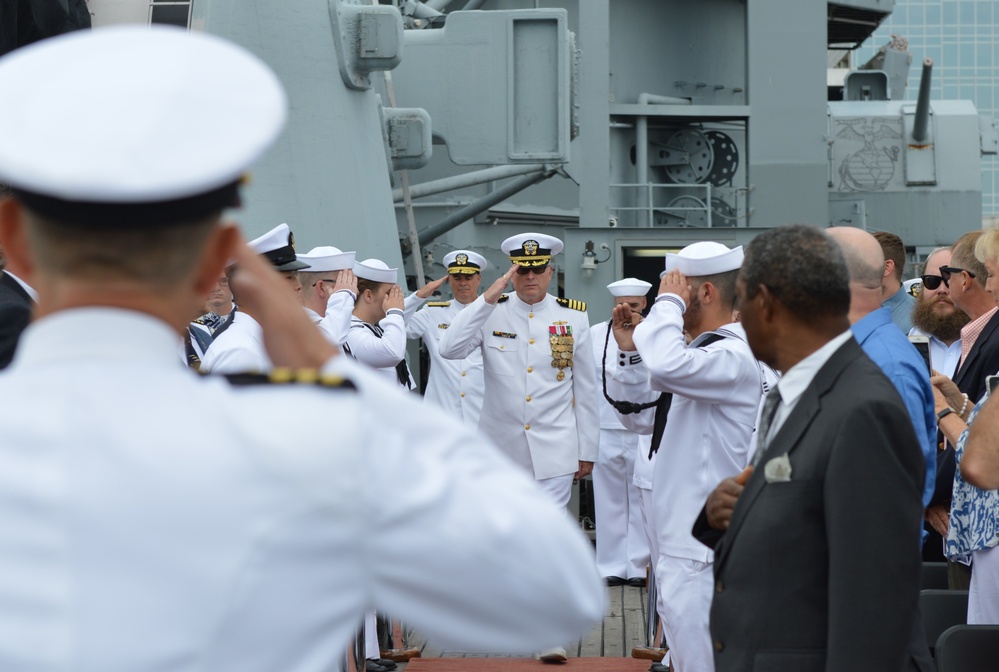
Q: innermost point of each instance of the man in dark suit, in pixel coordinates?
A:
(818, 566)
(965, 278)
(15, 312)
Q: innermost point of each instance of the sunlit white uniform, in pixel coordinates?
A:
(717, 392)
(126, 543)
(455, 385)
(238, 349)
(622, 547)
(544, 424)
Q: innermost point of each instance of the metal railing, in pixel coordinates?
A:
(652, 205)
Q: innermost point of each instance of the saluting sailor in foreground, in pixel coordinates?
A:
(455, 384)
(125, 544)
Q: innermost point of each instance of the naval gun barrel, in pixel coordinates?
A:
(921, 122)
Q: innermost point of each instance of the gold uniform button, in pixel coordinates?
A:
(529, 369)
(528, 397)
(530, 314)
(531, 341)
(527, 426)
(463, 373)
(502, 347)
(463, 394)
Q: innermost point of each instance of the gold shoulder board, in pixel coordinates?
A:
(573, 304)
(284, 376)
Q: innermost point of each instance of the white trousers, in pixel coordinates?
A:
(983, 594)
(649, 520)
(686, 587)
(559, 488)
(622, 547)
(371, 649)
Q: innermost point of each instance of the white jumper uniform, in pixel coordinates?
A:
(455, 385)
(717, 392)
(546, 425)
(622, 547)
(238, 349)
(128, 544)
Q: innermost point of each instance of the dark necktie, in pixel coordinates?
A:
(770, 405)
(401, 370)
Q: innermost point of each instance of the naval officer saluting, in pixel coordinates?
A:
(540, 381)
(454, 385)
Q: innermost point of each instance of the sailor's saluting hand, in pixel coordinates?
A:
(496, 289)
(623, 323)
(675, 282)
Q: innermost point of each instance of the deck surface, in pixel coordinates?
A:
(623, 627)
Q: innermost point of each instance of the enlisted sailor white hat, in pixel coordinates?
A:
(328, 258)
(464, 262)
(376, 270)
(278, 245)
(532, 249)
(106, 126)
(704, 258)
(629, 287)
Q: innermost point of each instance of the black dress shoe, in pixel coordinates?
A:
(615, 581)
(371, 665)
(386, 663)
(637, 581)
(659, 667)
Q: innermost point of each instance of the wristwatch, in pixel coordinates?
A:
(944, 413)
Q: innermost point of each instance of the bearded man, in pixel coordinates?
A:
(936, 317)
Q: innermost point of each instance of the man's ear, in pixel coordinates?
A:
(766, 304)
(706, 292)
(219, 250)
(13, 238)
(889, 268)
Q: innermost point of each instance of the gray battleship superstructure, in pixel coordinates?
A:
(624, 127)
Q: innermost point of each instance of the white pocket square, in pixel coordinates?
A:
(778, 470)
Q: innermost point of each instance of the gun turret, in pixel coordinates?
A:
(921, 122)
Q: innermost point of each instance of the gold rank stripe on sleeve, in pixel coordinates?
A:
(572, 304)
(438, 304)
(285, 376)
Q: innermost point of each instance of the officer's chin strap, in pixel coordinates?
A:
(622, 407)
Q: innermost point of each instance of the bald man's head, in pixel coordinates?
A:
(864, 258)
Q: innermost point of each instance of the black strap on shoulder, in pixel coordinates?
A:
(226, 323)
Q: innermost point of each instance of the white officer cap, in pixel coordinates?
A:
(129, 124)
(704, 258)
(376, 271)
(913, 287)
(629, 287)
(328, 258)
(464, 262)
(532, 249)
(278, 245)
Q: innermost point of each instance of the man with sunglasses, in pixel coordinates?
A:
(965, 279)
(540, 399)
(936, 317)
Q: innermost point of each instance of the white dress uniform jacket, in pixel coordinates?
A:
(238, 349)
(128, 544)
(336, 323)
(455, 385)
(544, 424)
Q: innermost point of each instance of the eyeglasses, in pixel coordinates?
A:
(224, 282)
(332, 282)
(536, 270)
(947, 271)
(931, 281)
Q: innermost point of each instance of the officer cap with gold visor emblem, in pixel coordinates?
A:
(464, 262)
(534, 250)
